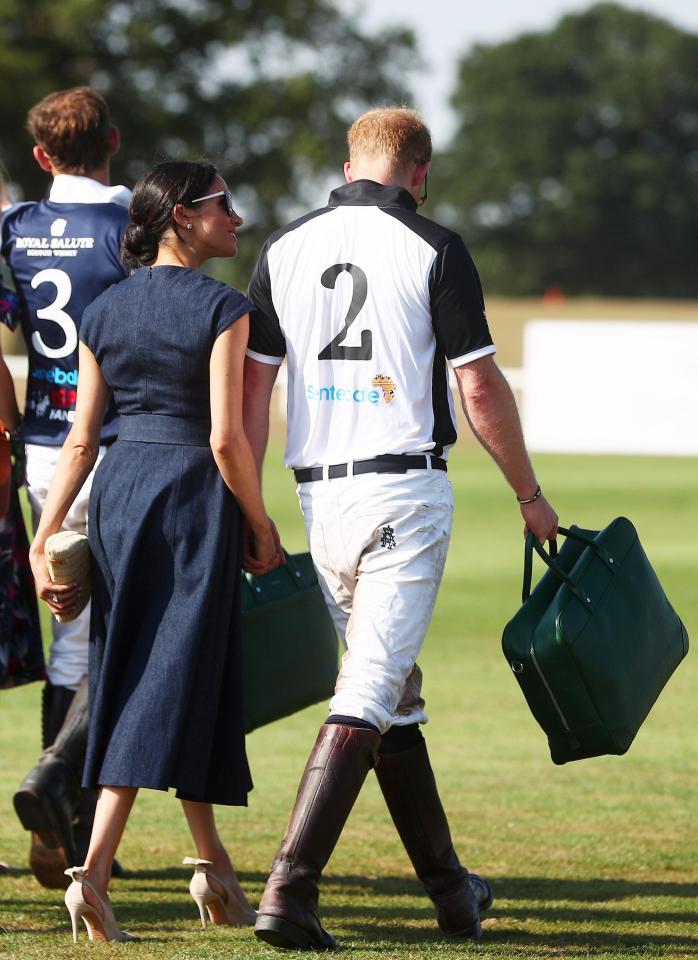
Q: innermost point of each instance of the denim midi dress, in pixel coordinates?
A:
(166, 704)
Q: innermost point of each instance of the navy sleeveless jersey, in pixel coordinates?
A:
(62, 256)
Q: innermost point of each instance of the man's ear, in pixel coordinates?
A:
(114, 141)
(420, 172)
(42, 159)
(347, 172)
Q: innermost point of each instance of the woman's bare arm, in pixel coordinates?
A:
(229, 443)
(77, 459)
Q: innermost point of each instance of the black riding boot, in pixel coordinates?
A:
(46, 800)
(288, 911)
(407, 782)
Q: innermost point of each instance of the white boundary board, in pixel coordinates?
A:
(611, 387)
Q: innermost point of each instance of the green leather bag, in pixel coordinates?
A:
(595, 643)
(289, 643)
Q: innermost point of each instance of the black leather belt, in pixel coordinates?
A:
(386, 463)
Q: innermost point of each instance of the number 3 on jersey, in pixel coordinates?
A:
(55, 312)
(334, 349)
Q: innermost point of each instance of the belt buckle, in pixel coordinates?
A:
(335, 471)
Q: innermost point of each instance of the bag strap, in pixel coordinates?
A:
(528, 563)
(532, 544)
(599, 550)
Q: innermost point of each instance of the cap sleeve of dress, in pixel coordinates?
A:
(88, 327)
(231, 307)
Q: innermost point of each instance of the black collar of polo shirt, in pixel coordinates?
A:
(368, 193)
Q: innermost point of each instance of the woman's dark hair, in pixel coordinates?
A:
(154, 199)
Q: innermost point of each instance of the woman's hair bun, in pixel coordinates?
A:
(139, 246)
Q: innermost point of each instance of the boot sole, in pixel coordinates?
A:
(284, 935)
(48, 861)
(473, 932)
(49, 855)
(38, 816)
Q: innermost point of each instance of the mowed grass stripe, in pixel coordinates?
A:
(594, 859)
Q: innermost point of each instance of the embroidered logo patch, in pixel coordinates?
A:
(387, 385)
(388, 538)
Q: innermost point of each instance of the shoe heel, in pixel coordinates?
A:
(285, 935)
(201, 900)
(226, 906)
(74, 918)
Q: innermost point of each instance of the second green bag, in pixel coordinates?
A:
(289, 643)
(595, 643)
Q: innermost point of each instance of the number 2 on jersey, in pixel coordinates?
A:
(334, 349)
(55, 312)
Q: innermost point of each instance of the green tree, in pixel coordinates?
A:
(575, 160)
(263, 88)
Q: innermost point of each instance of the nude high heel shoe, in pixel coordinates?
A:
(230, 906)
(100, 920)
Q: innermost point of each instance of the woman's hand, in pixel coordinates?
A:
(61, 598)
(261, 549)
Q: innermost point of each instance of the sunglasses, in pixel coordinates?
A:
(226, 201)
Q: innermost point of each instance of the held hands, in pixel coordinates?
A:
(61, 598)
(261, 550)
(540, 519)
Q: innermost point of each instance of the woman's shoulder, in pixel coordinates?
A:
(218, 290)
(109, 304)
(112, 294)
(222, 303)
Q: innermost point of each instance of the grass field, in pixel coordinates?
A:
(594, 859)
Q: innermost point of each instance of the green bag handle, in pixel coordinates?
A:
(291, 571)
(532, 544)
(297, 573)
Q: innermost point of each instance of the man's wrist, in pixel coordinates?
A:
(531, 498)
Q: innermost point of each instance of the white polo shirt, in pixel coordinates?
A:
(368, 300)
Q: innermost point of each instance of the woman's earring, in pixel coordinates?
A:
(190, 226)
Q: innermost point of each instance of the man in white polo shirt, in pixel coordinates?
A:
(63, 252)
(368, 300)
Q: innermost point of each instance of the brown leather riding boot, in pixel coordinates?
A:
(287, 916)
(409, 788)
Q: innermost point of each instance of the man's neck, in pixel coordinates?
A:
(101, 175)
(377, 172)
(380, 172)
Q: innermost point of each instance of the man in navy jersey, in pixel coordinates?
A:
(63, 252)
(369, 301)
